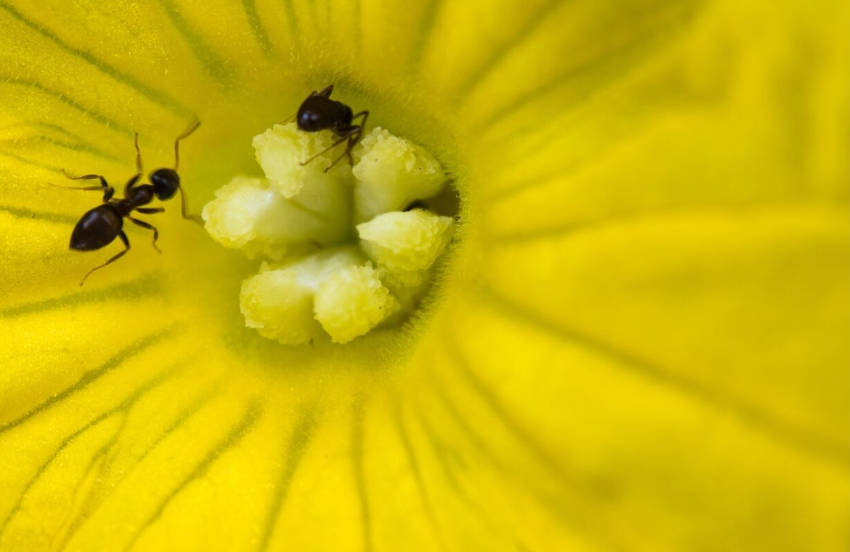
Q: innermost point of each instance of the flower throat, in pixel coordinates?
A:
(346, 247)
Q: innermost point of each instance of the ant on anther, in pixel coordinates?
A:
(319, 112)
(98, 227)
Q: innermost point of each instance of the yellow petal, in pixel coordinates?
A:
(639, 342)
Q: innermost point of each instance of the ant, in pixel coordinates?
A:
(98, 227)
(319, 112)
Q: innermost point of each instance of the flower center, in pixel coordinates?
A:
(346, 247)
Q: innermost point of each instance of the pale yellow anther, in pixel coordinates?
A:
(352, 301)
(408, 293)
(314, 269)
(405, 244)
(279, 300)
(282, 149)
(249, 214)
(279, 307)
(391, 173)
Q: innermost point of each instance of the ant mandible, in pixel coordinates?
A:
(98, 227)
(319, 112)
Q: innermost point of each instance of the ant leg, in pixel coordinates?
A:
(364, 114)
(144, 224)
(289, 119)
(103, 183)
(184, 208)
(354, 133)
(327, 149)
(192, 128)
(130, 183)
(108, 190)
(360, 128)
(100, 188)
(353, 136)
(324, 92)
(335, 161)
(349, 147)
(138, 153)
(135, 178)
(150, 210)
(124, 239)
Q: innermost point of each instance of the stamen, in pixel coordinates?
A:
(320, 280)
(391, 173)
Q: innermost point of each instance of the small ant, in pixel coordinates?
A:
(319, 112)
(98, 227)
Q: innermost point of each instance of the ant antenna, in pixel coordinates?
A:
(138, 153)
(75, 187)
(184, 208)
(192, 128)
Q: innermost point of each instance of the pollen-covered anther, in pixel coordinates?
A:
(249, 214)
(391, 172)
(351, 301)
(279, 307)
(405, 244)
(326, 278)
(281, 151)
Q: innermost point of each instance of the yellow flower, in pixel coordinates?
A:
(639, 342)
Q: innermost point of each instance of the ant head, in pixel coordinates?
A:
(309, 119)
(165, 183)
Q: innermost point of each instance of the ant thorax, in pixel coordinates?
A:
(140, 195)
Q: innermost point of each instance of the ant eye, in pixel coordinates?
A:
(309, 120)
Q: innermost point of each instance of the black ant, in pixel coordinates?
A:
(319, 112)
(98, 227)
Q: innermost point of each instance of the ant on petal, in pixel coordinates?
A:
(319, 112)
(99, 226)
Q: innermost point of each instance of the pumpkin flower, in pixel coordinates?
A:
(618, 320)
